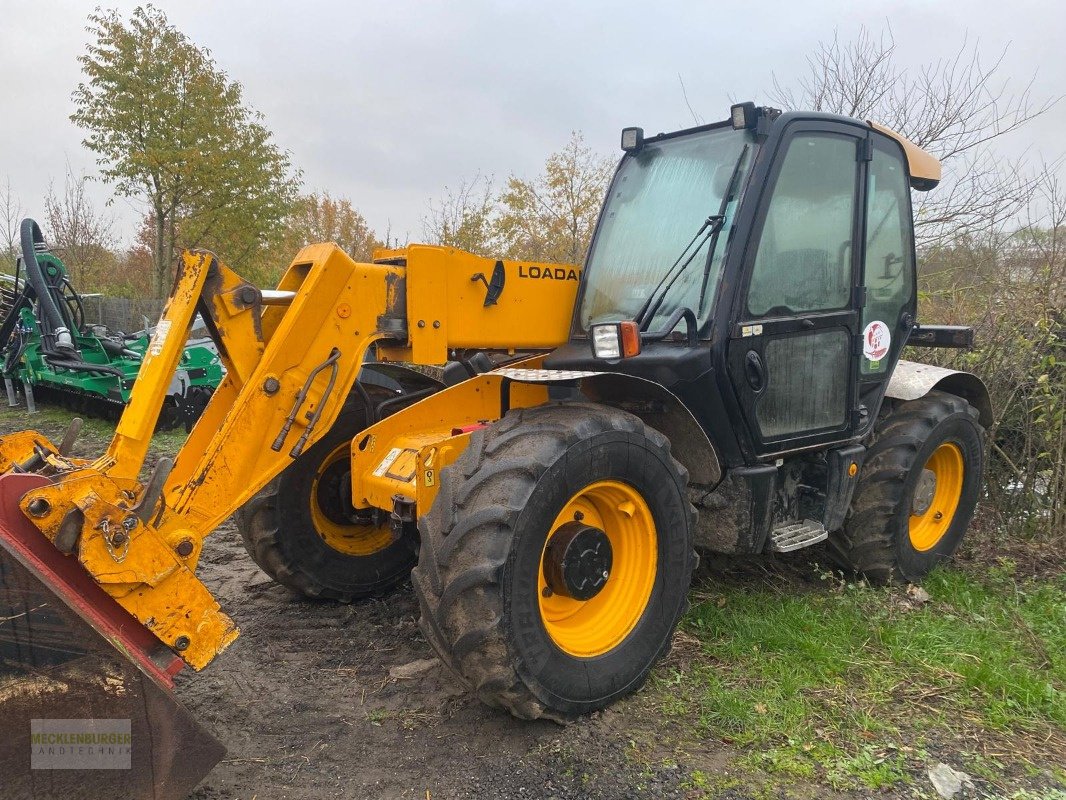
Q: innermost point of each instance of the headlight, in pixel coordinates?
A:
(616, 340)
(606, 343)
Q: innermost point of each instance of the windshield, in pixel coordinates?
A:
(659, 199)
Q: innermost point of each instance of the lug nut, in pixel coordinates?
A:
(578, 516)
(546, 592)
(39, 506)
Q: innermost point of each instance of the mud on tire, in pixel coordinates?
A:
(281, 536)
(482, 544)
(876, 540)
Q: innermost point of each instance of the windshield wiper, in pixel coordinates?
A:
(710, 229)
(731, 188)
(658, 294)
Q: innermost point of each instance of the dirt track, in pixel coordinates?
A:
(324, 700)
(306, 705)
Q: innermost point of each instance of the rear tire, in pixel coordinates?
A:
(480, 578)
(290, 539)
(884, 539)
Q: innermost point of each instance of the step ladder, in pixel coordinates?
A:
(795, 535)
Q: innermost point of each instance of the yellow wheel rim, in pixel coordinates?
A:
(351, 539)
(931, 516)
(588, 628)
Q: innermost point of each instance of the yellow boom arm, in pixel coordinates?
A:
(291, 356)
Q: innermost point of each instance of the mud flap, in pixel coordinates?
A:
(69, 652)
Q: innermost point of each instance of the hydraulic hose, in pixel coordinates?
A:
(31, 235)
(83, 366)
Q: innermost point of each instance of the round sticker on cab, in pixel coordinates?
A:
(876, 340)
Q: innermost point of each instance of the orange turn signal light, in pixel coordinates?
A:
(629, 334)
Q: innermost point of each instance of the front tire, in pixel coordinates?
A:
(496, 537)
(917, 491)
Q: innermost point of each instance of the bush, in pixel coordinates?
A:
(1011, 289)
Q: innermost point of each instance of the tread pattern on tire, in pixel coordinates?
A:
(866, 544)
(465, 541)
(258, 522)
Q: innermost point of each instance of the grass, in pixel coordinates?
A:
(845, 686)
(95, 434)
(861, 688)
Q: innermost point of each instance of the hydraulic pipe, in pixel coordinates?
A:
(31, 235)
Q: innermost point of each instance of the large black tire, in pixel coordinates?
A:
(876, 541)
(483, 539)
(280, 533)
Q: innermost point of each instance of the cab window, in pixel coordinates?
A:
(803, 257)
(889, 268)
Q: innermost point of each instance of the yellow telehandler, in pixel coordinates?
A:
(722, 372)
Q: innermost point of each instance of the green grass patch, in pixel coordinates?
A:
(853, 686)
(95, 434)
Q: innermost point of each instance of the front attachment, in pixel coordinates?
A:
(86, 692)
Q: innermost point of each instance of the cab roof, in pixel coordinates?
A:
(923, 167)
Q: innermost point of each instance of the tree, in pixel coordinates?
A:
(321, 218)
(10, 219)
(551, 217)
(465, 217)
(170, 128)
(82, 236)
(954, 107)
(547, 218)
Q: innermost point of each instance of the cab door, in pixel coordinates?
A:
(794, 335)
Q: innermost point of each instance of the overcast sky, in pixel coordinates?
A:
(387, 103)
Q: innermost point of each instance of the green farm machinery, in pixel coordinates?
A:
(51, 355)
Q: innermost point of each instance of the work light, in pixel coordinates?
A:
(632, 139)
(742, 115)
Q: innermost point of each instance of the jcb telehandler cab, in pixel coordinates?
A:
(724, 370)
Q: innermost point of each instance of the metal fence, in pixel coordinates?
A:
(121, 313)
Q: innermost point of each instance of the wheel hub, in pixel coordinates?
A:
(356, 532)
(577, 561)
(924, 492)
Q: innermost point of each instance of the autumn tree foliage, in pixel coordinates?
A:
(549, 217)
(320, 217)
(464, 217)
(82, 235)
(171, 129)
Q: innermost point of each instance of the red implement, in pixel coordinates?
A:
(69, 653)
